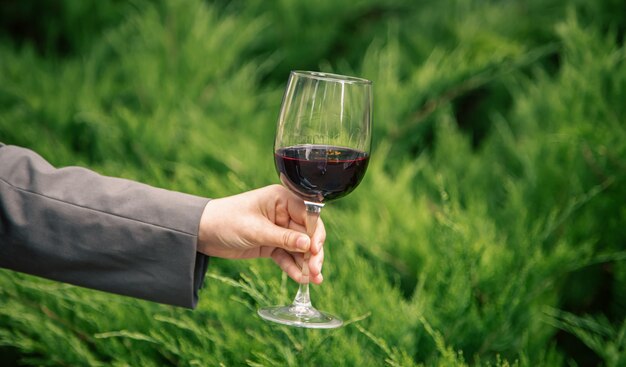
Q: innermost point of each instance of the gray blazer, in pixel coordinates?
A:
(76, 226)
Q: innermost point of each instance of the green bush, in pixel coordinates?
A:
(489, 229)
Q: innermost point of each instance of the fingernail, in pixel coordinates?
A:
(303, 243)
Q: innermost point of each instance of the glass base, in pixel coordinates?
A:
(300, 316)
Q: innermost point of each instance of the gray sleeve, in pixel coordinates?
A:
(76, 226)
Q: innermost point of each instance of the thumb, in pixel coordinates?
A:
(288, 239)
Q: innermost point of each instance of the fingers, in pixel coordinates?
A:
(297, 217)
(268, 222)
(288, 211)
(289, 263)
(291, 238)
(294, 238)
(319, 236)
(295, 206)
(281, 205)
(315, 267)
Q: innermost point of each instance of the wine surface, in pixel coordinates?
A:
(321, 173)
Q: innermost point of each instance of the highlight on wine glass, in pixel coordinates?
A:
(321, 152)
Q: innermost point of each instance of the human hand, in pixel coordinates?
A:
(267, 222)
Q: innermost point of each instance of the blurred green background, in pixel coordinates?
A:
(490, 228)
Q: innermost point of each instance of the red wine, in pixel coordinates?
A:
(321, 173)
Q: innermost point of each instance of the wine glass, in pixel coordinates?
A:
(321, 153)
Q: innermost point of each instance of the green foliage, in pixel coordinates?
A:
(607, 340)
(487, 231)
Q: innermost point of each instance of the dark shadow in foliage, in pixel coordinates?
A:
(60, 28)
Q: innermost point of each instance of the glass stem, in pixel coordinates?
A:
(303, 298)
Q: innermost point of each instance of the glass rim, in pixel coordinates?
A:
(330, 77)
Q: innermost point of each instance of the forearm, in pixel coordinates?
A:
(115, 235)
